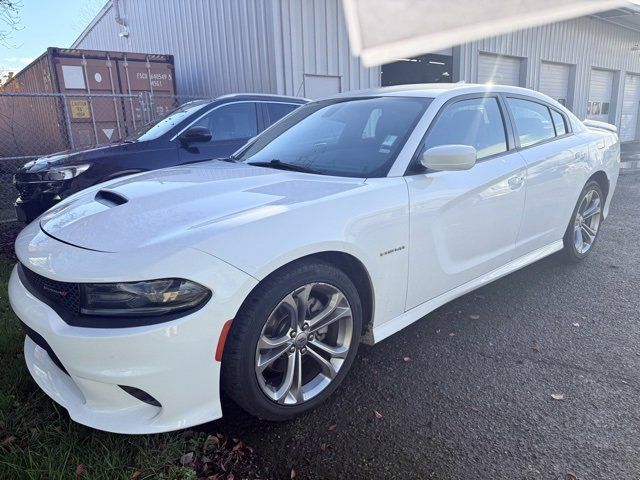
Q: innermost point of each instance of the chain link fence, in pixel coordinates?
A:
(37, 124)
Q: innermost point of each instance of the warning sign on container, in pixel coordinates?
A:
(79, 109)
(107, 132)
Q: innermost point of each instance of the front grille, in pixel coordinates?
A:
(27, 190)
(63, 294)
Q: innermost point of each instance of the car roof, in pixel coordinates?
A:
(263, 97)
(433, 90)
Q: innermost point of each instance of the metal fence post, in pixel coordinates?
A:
(67, 121)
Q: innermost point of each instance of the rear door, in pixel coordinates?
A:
(552, 155)
(231, 126)
(464, 224)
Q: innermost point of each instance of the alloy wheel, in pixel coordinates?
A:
(587, 221)
(304, 343)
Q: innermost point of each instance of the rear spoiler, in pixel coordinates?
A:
(600, 125)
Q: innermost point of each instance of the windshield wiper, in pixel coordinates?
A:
(284, 166)
(230, 158)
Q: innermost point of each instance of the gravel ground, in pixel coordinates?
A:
(467, 392)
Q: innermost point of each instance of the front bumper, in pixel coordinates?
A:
(29, 210)
(174, 362)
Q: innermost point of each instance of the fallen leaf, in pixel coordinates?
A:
(293, 473)
(474, 317)
(576, 324)
(407, 359)
(452, 334)
(7, 441)
(80, 469)
(535, 348)
(186, 459)
(136, 474)
(231, 476)
(557, 396)
(572, 474)
(324, 447)
(332, 427)
(237, 446)
(377, 414)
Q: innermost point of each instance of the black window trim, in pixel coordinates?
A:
(550, 107)
(414, 167)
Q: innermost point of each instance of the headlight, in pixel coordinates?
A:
(64, 173)
(153, 297)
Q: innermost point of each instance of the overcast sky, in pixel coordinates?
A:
(46, 23)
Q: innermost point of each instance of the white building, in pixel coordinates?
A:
(301, 47)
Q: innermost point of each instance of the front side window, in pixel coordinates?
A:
(358, 137)
(235, 121)
(533, 121)
(476, 122)
(154, 130)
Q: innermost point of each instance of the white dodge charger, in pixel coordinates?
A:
(348, 220)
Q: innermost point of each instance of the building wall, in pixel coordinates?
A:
(584, 42)
(227, 46)
(219, 47)
(311, 38)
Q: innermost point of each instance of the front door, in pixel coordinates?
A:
(231, 126)
(464, 224)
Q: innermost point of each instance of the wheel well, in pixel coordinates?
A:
(602, 180)
(356, 272)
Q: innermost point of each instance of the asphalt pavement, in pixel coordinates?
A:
(536, 375)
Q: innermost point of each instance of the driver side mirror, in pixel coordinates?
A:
(195, 135)
(449, 158)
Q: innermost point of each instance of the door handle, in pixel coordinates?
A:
(516, 181)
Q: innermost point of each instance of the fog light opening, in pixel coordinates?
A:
(141, 395)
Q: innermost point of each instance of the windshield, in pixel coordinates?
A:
(358, 137)
(153, 130)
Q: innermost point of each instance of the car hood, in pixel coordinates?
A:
(176, 204)
(79, 156)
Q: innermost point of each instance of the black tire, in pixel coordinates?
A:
(570, 253)
(239, 378)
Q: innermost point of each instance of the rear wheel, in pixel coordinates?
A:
(293, 341)
(584, 226)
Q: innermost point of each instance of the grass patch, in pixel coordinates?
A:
(38, 440)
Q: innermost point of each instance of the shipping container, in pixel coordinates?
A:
(69, 98)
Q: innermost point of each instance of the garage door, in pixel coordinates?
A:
(630, 107)
(499, 70)
(554, 81)
(600, 91)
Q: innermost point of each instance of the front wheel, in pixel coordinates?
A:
(293, 341)
(584, 226)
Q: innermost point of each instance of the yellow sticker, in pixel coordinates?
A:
(79, 109)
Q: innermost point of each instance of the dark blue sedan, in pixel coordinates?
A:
(199, 130)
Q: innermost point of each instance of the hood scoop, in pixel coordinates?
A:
(110, 199)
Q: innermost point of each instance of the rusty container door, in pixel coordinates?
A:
(150, 78)
(32, 125)
(94, 107)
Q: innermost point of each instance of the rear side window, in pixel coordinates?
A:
(476, 122)
(559, 123)
(235, 121)
(533, 121)
(275, 111)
